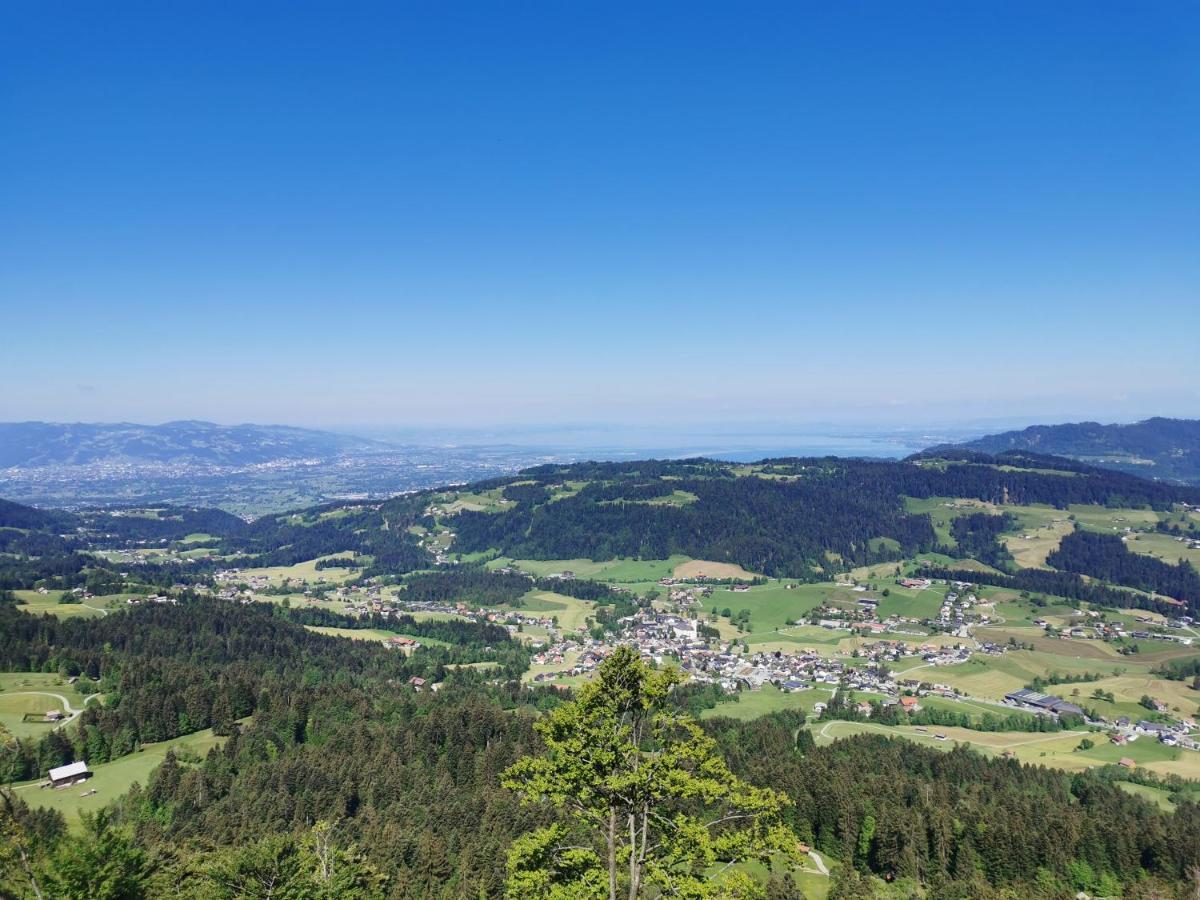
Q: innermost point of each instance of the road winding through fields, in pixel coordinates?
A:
(72, 712)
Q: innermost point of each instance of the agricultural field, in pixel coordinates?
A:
(373, 634)
(94, 607)
(769, 699)
(1030, 548)
(1163, 546)
(303, 572)
(702, 568)
(15, 707)
(1059, 750)
(482, 501)
(624, 571)
(572, 613)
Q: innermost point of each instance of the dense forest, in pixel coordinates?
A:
(169, 670)
(1106, 556)
(1058, 584)
(1156, 448)
(808, 519)
(413, 780)
(977, 537)
(775, 527)
(958, 821)
(811, 517)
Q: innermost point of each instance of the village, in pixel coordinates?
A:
(675, 629)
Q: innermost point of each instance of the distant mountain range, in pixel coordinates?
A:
(31, 444)
(245, 469)
(1164, 449)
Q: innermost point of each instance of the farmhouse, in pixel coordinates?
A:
(65, 776)
(1047, 702)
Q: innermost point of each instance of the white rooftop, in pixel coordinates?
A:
(75, 768)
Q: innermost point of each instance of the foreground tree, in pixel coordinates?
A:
(646, 805)
(288, 867)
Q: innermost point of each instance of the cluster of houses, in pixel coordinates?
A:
(1122, 731)
(1172, 734)
(960, 609)
(238, 577)
(152, 598)
(673, 637)
(1087, 625)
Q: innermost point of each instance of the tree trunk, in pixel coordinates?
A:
(635, 867)
(612, 853)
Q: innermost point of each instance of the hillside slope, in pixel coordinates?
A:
(1165, 449)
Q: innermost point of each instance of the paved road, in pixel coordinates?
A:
(818, 862)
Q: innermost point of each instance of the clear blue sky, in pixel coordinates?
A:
(486, 213)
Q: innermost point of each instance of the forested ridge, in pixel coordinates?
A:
(171, 670)
(811, 517)
(1106, 556)
(806, 520)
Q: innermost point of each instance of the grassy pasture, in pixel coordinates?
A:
(371, 634)
(911, 604)
(197, 538)
(612, 570)
(11, 682)
(112, 780)
(303, 571)
(990, 743)
(1056, 750)
(1032, 546)
(39, 604)
(14, 707)
(571, 612)
(773, 605)
(991, 677)
(1101, 518)
(943, 511)
(482, 501)
(1128, 689)
(1157, 796)
(769, 699)
(1164, 547)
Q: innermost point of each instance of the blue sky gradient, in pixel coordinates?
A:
(477, 214)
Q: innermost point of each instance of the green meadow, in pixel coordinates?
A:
(111, 780)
